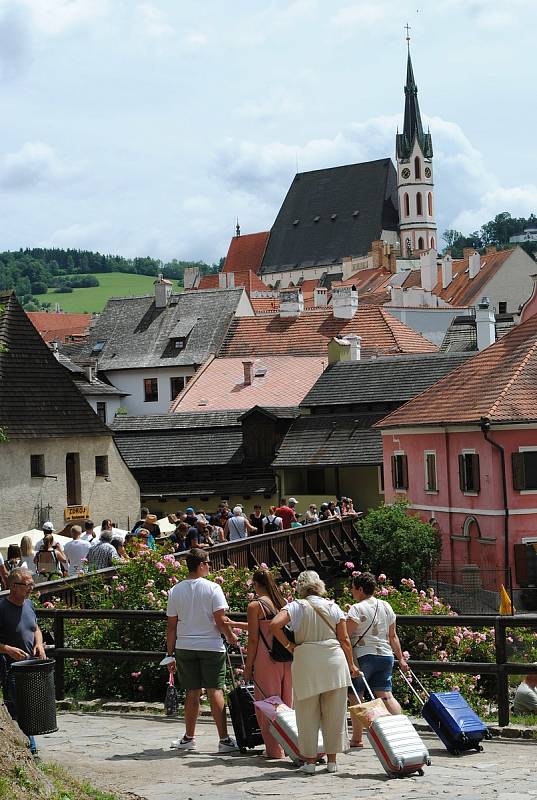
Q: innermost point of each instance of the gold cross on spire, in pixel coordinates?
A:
(408, 29)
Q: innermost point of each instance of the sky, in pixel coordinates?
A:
(147, 128)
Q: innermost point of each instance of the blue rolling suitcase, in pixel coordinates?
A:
(451, 718)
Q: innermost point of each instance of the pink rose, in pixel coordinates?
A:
(121, 587)
(426, 607)
(263, 565)
(406, 655)
(135, 675)
(356, 573)
(219, 579)
(383, 592)
(250, 595)
(436, 674)
(48, 604)
(349, 565)
(381, 577)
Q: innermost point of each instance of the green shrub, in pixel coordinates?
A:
(398, 543)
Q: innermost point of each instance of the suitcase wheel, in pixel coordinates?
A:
(243, 749)
(479, 748)
(421, 772)
(428, 762)
(455, 752)
(488, 735)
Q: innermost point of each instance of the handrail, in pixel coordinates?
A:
(501, 668)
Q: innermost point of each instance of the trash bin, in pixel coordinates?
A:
(35, 696)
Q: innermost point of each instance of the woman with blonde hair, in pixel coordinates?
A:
(321, 671)
(271, 677)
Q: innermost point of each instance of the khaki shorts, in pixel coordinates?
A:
(201, 669)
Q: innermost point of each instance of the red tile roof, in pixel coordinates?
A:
(220, 386)
(246, 252)
(310, 332)
(264, 305)
(371, 283)
(55, 326)
(463, 291)
(248, 279)
(499, 383)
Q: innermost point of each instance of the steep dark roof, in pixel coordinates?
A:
(331, 213)
(381, 380)
(412, 127)
(170, 422)
(261, 483)
(461, 336)
(181, 447)
(136, 334)
(328, 440)
(37, 395)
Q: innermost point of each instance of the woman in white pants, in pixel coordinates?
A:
(321, 671)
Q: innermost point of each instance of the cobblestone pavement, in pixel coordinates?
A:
(131, 754)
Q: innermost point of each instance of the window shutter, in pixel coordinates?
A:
(475, 470)
(404, 472)
(394, 473)
(462, 480)
(519, 478)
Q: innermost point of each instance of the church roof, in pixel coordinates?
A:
(246, 252)
(331, 213)
(412, 126)
(37, 395)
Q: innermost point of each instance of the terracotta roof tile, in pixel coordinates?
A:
(221, 385)
(310, 332)
(56, 326)
(264, 305)
(246, 252)
(248, 280)
(499, 383)
(463, 291)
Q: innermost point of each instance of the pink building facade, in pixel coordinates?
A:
(454, 476)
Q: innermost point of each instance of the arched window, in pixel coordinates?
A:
(430, 203)
(417, 168)
(420, 243)
(432, 241)
(407, 204)
(419, 205)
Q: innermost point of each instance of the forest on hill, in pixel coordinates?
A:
(33, 271)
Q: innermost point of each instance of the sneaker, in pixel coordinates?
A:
(183, 744)
(227, 744)
(308, 769)
(331, 766)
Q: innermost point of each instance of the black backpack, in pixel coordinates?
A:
(277, 652)
(270, 525)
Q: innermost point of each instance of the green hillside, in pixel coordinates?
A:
(112, 284)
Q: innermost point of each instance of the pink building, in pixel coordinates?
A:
(464, 453)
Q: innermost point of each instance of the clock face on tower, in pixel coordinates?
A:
(428, 172)
(406, 173)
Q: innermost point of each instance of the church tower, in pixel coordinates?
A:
(415, 188)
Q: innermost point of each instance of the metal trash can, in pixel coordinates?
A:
(35, 696)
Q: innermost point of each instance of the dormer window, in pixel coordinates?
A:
(180, 343)
(97, 347)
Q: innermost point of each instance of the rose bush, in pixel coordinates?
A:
(144, 582)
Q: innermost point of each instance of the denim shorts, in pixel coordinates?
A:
(377, 671)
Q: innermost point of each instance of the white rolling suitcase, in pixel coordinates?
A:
(397, 744)
(284, 729)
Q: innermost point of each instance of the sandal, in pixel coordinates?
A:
(355, 745)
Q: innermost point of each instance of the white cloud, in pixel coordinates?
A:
(82, 235)
(154, 21)
(361, 14)
(273, 106)
(15, 40)
(56, 17)
(35, 164)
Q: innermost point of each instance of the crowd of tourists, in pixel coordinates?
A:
(312, 670)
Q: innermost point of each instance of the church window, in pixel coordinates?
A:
(407, 204)
(430, 203)
(417, 168)
(419, 205)
(420, 243)
(432, 241)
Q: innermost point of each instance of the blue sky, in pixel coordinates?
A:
(145, 128)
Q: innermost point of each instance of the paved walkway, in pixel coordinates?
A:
(131, 754)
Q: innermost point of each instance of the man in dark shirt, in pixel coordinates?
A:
(195, 536)
(20, 635)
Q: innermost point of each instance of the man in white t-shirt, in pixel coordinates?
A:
(196, 612)
(372, 631)
(525, 701)
(76, 550)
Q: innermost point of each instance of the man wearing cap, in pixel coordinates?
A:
(287, 512)
(48, 527)
(151, 525)
(191, 517)
(20, 635)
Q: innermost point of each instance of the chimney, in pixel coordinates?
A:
(344, 302)
(291, 302)
(248, 367)
(447, 270)
(428, 270)
(356, 346)
(191, 277)
(474, 265)
(485, 324)
(376, 252)
(163, 290)
(226, 280)
(339, 349)
(320, 297)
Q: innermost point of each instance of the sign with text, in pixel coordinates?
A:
(71, 513)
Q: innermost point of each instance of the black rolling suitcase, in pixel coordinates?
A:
(242, 712)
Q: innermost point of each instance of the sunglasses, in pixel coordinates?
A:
(27, 585)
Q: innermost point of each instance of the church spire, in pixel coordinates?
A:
(412, 127)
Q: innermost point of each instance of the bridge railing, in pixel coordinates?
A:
(501, 668)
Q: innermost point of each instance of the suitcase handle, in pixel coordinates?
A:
(412, 688)
(362, 676)
(234, 683)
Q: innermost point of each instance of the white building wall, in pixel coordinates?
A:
(430, 322)
(132, 381)
(112, 404)
(512, 283)
(117, 498)
(414, 225)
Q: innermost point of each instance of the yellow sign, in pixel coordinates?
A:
(72, 513)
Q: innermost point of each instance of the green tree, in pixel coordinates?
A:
(398, 543)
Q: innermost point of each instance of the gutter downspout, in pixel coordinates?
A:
(485, 426)
(446, 446)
